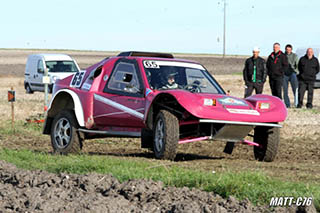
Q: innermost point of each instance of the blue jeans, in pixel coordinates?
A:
(294, 85)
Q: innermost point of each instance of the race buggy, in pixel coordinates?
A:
(165, 101)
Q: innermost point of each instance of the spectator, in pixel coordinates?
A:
(308, 68)
(277, 63)
(254, 73)
(290, 75)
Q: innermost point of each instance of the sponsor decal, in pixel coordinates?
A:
(244, 111)
(86, 86)
(148, 91)
(232, 101)
(156, 64)
(289, 201)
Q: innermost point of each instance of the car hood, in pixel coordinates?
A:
(230, 108)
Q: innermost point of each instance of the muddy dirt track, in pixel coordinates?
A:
(298, 157)
(40, 191)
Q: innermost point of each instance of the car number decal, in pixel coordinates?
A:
(151, 64)
(77, 79)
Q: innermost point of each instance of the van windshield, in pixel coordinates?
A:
(61, 66)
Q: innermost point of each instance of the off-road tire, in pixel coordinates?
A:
(74, 144)
(28, 89)
(147, 139)
(170, 140)
(269, 139)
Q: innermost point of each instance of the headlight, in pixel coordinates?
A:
(54, 79)
(264, 105)
(209, 102)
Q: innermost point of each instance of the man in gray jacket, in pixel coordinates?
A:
(290, 75)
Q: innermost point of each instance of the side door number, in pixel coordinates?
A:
(77, 79)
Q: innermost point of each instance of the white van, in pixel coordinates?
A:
(59, 66)
(316, 51)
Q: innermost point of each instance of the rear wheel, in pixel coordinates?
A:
(64, 135)
(268, 139)
(28, 89)
(165, 135)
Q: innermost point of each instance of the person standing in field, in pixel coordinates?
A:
(290, 75)
(254, 73)
(277, 63)
(308, 68)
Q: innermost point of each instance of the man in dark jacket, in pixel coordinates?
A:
(290, 75)
(277, 63)
(308, 68)
(254, 73)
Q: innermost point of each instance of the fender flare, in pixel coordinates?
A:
(78, 110)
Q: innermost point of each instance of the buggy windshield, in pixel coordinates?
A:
(165, 75)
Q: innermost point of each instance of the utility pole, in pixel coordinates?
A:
(224, 27)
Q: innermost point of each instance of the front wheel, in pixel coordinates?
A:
(64, 135)
(165, 135)
(268, 139)
(28, 89)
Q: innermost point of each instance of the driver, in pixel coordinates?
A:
(171, 84)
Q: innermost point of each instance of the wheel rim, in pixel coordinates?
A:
(28, 88)
(62, 133)
(159, 135)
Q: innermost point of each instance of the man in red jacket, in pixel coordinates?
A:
(277, 63)
(308, 68)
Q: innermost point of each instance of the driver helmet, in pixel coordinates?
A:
(171, 76)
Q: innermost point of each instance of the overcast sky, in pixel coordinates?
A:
(163, 25)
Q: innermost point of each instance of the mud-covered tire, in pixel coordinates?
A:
(28, 89)
(165, 135)
(269, 139)
(147, 139)
(64, 135)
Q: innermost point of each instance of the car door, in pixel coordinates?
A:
(121, 103)
(37, 76)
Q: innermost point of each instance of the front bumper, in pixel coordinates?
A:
(240, 123)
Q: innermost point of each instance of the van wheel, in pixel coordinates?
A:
(28, 89)
(50, 89)
(165, 135)
(64, 135)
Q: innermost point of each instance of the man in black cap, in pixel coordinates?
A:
(254, 73)
(308, 68)
(277, 63)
